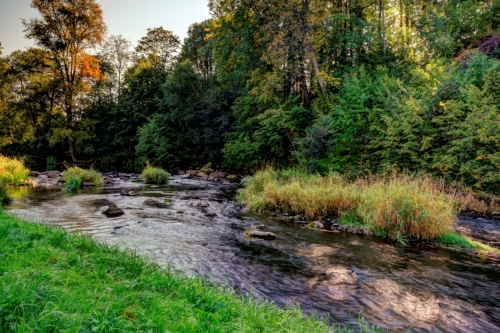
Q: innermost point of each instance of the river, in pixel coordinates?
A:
(412, 288)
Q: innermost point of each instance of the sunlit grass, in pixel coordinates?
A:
(52, 281)
(455, 239)
(398, 206)
(152, 175)
(75, 176)
(12, 171)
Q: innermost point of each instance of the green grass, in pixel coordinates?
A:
(12, 171)
(52, 281)
(75, 176)
(152, 175)
(398, 206)
(454, 239)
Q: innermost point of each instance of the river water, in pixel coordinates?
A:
(416, 289)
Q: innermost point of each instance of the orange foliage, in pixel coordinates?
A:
(89, 67)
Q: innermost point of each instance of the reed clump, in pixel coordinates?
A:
(12, 171)
(152, 175)
(74, 177)
(398, 206)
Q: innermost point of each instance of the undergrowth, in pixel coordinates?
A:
(52, 281)
(152, 175)
(74, 177)
(397, 205)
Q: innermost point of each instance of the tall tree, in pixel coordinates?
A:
(66, 29)
(159, 45)
(116, 51)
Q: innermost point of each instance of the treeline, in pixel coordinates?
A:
(350, 85)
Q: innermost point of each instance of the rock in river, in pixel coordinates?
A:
(113, 211)
(129, 191)
(256, 234)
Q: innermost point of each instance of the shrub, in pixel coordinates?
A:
(12, 171)
(152, 175)
(75, 176)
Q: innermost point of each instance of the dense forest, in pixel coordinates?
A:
(353, 86)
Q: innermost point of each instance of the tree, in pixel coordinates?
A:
(116, 51)
(66, 30)
(159, 45)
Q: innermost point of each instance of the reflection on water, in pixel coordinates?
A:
(335, 274)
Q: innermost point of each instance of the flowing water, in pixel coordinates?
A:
(399, 288)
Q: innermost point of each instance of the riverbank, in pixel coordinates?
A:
(400, 207)
(55, 281)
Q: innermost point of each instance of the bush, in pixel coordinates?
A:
(152, 175)
(12, 171)
(398, 206)
(75, 176)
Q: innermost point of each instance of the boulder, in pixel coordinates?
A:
(53, 174)
(210, 214)
(182, 172)
(186, 176)
(201, 174)
(214, 176)
(34, 173)
(231, 177)
(113, 211)
(226, 182)
(193, 172)
(221, 174)
(257, 234)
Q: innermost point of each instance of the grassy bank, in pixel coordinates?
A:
(51, 281)
(456, 240)
(75, 176)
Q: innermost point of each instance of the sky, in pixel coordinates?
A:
(129, 18)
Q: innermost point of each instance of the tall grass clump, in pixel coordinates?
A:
(152, 175)
(74, 176)
(12, 171)
(398, 206)
(51, 163)
(403, 205)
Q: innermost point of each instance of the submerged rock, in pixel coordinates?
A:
(211, 214)
(113, 211)
(132, 192)
(257, 234)
(155, 203)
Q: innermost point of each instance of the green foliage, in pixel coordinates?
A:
(75, 176)
(12, 171)
(152, 175)
(51, 163)
(72, 283)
